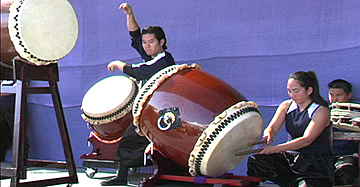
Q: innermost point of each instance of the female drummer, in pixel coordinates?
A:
(306, 158)
(151, 45)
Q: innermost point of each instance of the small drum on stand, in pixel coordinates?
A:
(196, 120)
(346, 116)
(41, 31)
(107, 108)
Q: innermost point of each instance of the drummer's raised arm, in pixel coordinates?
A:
(132, 24)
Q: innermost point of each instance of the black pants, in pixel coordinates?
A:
(346, 170)
(288, 169)
(131, 148)
(6, 124)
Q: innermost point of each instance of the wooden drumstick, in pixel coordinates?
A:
(257, 143)
(240, 153)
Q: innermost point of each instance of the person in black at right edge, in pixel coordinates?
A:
(151, 45)
(345, 151)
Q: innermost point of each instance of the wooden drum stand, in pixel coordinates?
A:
(167, 171)
(23, 73)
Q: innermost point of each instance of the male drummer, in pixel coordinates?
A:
(345, 152)
(151, 45)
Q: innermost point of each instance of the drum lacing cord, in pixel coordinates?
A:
(217, 130)
(149, 86)
(125, 107)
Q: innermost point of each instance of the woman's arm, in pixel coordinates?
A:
(277, 122)
(319, 122)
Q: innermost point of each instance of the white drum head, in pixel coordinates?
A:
(111, 95)
(43, 31)
(214, 152)
(221, 157)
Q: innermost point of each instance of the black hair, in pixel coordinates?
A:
(309, 79)
(342, 84)
(157, 31)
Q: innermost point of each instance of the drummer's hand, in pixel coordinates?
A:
(267, 138)
(269, 149)
(126, 7)
(116, 64)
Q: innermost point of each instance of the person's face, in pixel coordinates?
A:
(298, 93)
(151, 45)
(339, 95)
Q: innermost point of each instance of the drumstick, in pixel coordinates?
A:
(240, 153)
(257, 143)
(251, 151)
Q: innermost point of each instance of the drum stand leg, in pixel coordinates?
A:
(166, 171)
(24, 72)
(101, 150)
(102, 156)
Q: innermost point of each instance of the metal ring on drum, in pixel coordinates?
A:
(41, 31)
(107, 107)
(196, 120)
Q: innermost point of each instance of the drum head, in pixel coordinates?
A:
(111, 96)
(233, 130)
(43, 31)
(220, 157)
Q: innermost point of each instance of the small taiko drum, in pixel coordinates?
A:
(107, 107)
(42, 31)
(196, 120)
(346, 116)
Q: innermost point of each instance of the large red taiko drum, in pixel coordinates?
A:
(196, 119)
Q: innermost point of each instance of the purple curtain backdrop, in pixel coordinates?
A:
(251, 44)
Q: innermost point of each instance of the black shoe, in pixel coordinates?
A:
(114, 181)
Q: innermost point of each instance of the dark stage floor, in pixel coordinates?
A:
(102, 174)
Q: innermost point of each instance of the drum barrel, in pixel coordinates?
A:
(189, 90)
(8, 51)
(114, 130)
